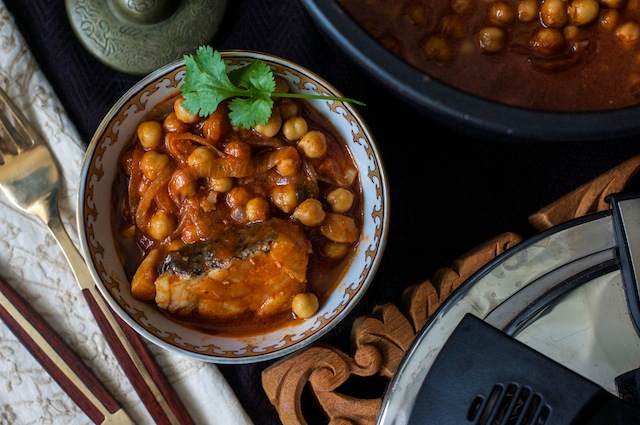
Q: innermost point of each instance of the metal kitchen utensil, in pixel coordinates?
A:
(570, 294)
(140, 36)
(29, 178)
(483, 376)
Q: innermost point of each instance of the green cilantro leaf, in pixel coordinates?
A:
(256, 74)
(251, 88)
(206, 83)
(250, 111)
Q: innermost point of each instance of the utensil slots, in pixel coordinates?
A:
(29, 178)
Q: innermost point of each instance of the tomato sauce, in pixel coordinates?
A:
(170, 195)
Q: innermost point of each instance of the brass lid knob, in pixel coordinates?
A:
(140, 36)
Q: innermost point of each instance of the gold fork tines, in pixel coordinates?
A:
(18, 132)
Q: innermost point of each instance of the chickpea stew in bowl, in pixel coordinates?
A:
(230, 244)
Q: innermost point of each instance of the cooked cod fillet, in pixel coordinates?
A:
(252, 270)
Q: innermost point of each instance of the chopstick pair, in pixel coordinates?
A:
(77, 379)
(69, 371)
(57, 358)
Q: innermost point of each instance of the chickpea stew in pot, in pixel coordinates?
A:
(235, 231)
(555, 55)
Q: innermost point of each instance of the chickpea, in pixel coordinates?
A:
(583, 12)
(340, 199)
(547, 41)
(463, 7)
(492, 40)
(257, 209)
(238, 196)
(309, 212)
(285, 197)
(527, 10)
(629, 32)
(391, 43)
(282, 85)
(288, 108)
(575, 38)
(417, 13)
(313, 144)
(272, 126)
(172, 124)
(305, 305)
(181, 185)
(238, 149)
(609, 19)
(339, 228)
(152, 163)
(222, 185)
(349, 175)
(436, 48)
(571, 33)
(294, 128)
(553, 13)
(161, 225)
(335, 250)
(501, 13)
(150, 134)
(452, 26)
(182, 113)
(200, 156)
(288, 161)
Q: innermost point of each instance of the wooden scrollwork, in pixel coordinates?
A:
(588, 198)
(380, 342)
(381, 339)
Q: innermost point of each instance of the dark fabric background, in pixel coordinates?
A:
(449, 191)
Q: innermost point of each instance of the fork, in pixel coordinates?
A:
(29, 178)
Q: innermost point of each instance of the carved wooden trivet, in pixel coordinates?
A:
(381, 339)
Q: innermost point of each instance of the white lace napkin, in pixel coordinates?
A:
(31, 261)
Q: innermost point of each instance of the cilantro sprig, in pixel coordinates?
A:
(251, 88)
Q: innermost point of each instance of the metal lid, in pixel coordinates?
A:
(140, 36)
(571, 293)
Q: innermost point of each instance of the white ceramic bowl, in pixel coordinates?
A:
(101, 251)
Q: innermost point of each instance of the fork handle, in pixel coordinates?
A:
(146, 377)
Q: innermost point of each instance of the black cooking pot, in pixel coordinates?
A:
(460, 109)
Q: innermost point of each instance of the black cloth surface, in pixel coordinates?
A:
(450, 191)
